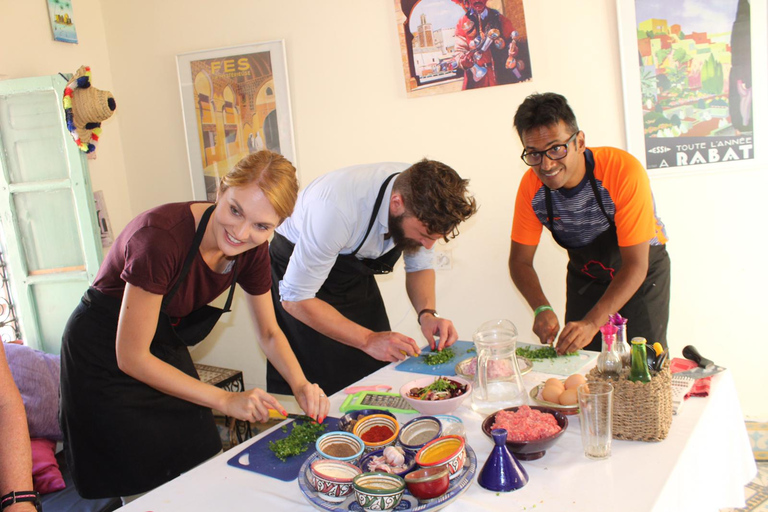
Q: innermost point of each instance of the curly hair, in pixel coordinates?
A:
(437, 196)
(274, 175)
(544, 109)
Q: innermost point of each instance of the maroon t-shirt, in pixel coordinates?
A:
(150, 252)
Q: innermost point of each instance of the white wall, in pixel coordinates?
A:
(27, 49)
(349, 106)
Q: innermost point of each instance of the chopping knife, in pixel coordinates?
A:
(690, 352)
(705, 366)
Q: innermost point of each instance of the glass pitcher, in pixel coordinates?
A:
(497, 381)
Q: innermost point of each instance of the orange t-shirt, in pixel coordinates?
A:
(626, 194)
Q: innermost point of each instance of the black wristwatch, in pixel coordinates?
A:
(21, 497)
(427, 310)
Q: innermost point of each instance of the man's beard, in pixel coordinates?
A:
(397, 234)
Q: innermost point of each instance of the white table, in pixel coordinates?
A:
(702, 465)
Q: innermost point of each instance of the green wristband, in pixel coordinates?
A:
(542, 308)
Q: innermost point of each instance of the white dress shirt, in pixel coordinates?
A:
(331, 217)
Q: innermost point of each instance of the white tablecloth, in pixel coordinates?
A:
(701, 466)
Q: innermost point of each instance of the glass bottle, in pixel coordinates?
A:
(498, 383)
(621, 346)
(608, 362)
(638, 371)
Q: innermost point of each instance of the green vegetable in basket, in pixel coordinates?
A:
(298, 440)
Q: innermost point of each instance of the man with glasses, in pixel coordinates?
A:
(598, 205)
(348, 226)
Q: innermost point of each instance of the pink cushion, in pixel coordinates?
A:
(46, 476)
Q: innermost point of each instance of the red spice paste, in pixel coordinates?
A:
(377, 434)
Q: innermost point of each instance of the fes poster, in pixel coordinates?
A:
(62, 24)
(456, 45)
(695, 80)
(235, 109)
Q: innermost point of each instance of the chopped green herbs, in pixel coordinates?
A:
(539, 354)
(441, 357)
(298, 440)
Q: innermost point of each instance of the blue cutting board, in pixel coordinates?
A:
(417, 364)
(558, 366)
(260, 459)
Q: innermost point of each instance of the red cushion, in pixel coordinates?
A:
(45, 469)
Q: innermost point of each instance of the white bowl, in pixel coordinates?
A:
(432, 407)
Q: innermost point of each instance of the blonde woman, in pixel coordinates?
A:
(134, 414)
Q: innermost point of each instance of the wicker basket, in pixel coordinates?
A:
(641, 411)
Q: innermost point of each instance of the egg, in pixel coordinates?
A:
(554, 381)
(552, 394)
(574, 381)
(569, 397)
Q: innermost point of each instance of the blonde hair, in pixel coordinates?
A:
(273, 174)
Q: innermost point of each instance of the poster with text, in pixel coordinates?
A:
(695, 59)
(235, 103)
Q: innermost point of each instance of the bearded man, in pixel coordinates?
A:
(348, 226)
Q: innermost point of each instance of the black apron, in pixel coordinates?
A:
(352, 290)
(122, 436)
(591, 269)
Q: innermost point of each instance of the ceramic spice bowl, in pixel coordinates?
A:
(377, 431)
(378, 491)
(428, 483)
(341, 446)
(418, 432)
(349, 420)
(332, 479)
(444, 451)
(367, 463)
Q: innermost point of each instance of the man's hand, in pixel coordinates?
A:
(546, 327)
(575, 335)
(390, 346)
(442, 328)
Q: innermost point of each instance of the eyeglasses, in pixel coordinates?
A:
(556, 152)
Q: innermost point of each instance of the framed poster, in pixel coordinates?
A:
(235, 101)
(455, 45)
(689, 69)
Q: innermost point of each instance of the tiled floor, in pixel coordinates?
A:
(756, 492)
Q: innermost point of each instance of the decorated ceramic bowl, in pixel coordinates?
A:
(428, 483)
(534, 449)
(433, 407)
(445, 451)
(349, 420)
(377, 431)
(332, 479)
(452, 425)
(341, 446)
(418, 432)
(375, 461)
(378, 491)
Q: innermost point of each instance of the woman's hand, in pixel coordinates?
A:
(313, 401)
(251, 405)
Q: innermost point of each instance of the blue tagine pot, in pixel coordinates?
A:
(502, 472)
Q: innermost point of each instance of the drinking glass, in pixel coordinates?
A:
(595, 416)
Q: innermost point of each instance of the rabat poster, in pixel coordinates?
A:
(696, 81)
